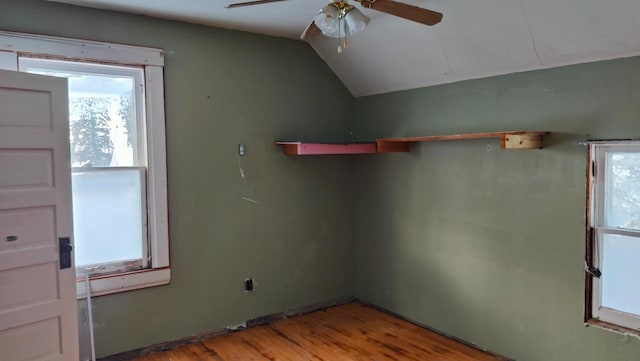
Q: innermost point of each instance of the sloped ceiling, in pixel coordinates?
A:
(475, 38)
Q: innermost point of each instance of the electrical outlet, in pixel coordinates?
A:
(248, 284)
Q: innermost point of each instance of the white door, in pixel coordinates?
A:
(38, 319)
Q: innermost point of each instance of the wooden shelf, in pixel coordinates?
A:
(508, 140)
(300, 148)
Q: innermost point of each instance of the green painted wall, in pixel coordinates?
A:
(224, 88)
(482, 243)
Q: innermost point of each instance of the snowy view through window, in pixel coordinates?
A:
(620, 254)
(108, 184)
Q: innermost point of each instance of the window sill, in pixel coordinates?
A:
(123, 282)
(612, 327)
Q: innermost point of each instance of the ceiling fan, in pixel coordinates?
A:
(339, 18)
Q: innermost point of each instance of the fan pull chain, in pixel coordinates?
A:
(345, 43)
(340, 23)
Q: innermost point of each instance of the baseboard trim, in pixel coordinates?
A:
(444, 334)
(258, 321)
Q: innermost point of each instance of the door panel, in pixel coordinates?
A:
(16, 115)
(19, 341)
(38, 319)
(17, 294)
(31, 168)
(20, 221)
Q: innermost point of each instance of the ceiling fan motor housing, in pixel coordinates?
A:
(366, 3)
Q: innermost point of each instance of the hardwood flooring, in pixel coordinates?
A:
(344, 333)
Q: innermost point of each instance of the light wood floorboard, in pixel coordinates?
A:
(352, 332)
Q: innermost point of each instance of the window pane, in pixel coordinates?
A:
(622, 190)
(102, 110)
(620, 270)
(107, 215)
(98, 123)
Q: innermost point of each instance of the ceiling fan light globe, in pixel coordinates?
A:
(328, 19)
(336, 32)
(356, 21)
(326, 23)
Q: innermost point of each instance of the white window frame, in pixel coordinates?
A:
(605, 317)
(14, 45)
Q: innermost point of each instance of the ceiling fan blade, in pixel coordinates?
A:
(311, 31)
(250, 3)
(406, 11)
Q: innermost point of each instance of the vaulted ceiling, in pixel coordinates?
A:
(475, 38)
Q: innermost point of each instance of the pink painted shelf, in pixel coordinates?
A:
(300, 148)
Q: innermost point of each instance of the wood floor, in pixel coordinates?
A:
(349, 332)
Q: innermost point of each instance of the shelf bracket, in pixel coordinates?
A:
(391, 147)
(521, 141)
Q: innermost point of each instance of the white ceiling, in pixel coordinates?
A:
(476, 38)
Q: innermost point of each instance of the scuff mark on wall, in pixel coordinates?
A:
(250, 200)
(242, 175)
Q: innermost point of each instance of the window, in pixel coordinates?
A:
(117, 150)
(107, 160)
(613, 249)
